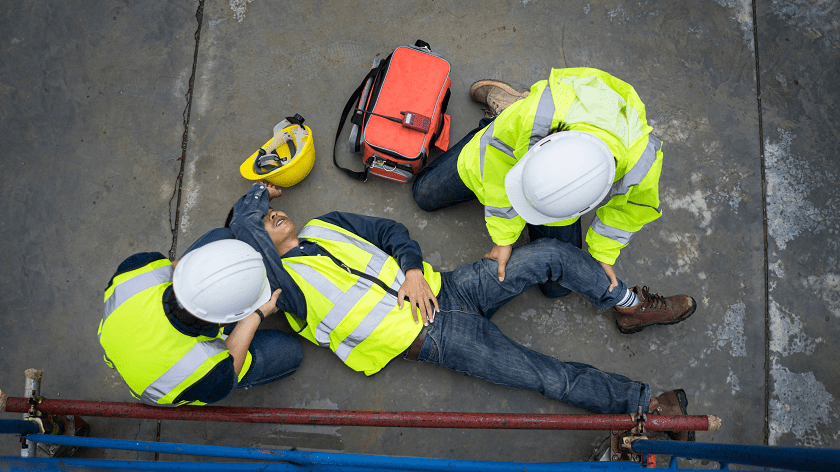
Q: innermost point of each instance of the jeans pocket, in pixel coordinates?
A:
(431, 349)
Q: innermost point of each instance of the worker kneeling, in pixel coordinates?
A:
(578, 142)
(185, 332)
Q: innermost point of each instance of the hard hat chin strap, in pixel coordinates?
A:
(266, 163)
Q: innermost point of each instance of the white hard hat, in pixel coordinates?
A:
(563, 176)
(221, 282)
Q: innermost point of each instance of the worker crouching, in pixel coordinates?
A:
(185, 332)
(578, 142)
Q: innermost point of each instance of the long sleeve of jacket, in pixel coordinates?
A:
(493, 152)
(625, 214)
(247, 226)
(585, 100)
(503, 227)
(388, 235)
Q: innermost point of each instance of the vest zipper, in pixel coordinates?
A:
(371, 278)
(363, 275)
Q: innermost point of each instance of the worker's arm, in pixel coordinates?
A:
(393, 238)
(211, 236)
(217, 384)
(388, 235)
(513, 135)
(134, 262)
(247, 226)
(242, 335)
(504, 231)
(213, 387)
(624, 215)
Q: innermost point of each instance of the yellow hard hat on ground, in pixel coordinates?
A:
(286, 158)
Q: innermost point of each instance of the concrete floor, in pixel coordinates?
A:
(95, 95)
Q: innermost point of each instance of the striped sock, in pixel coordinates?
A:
(629, 299)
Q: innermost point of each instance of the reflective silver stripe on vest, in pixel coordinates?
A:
(507, 213)
(482, 146)
(333, 294)
(607, 231)
(131, 287)
(502, 146)
(543, 118)
(398, 281)
(635, 175)
(378, 256)
(343, 302)
(186, 366)
(371, 321)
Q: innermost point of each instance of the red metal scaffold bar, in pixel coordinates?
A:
(364, 418)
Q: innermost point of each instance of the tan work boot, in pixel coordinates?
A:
(496, 94)
(653, 309)
(673, 403)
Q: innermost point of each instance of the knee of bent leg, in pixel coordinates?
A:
(295, 353)
(423, 196)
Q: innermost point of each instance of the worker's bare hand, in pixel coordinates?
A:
(270, 306)
(420, 296)
(608, 269)
(274, 191)
(500, 254)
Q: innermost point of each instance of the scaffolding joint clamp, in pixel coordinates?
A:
(639, 417)
(37, 421)
(34, 401)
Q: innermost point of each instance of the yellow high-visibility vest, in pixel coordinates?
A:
(587, 100)
(157, 361)
(349, 308)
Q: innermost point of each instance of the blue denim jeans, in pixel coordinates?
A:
(570, 234)
(439, 186)
(463, 338)
(275, 355)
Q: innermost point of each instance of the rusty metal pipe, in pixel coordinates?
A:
(366, 418)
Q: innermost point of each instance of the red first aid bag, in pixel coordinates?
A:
(398, 113)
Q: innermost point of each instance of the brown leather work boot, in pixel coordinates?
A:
(654, 309)
(496, 94)
(673, 403)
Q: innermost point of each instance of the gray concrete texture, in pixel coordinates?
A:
(95, 96)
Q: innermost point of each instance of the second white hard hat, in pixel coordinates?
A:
(563, 176)
(221, 282)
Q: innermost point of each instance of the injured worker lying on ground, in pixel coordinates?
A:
(344, 278)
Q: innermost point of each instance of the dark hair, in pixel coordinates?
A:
(561, 126)
(173, 309)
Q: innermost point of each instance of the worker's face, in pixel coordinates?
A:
(279, 227)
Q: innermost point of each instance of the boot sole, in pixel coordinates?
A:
(507, 88)
(682, 317)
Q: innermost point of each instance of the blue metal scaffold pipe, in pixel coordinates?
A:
(18, 427)
(303, 460)
(788, 458)
(791, 458)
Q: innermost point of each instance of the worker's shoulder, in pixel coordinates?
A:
(134, 262)
(137, 261)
